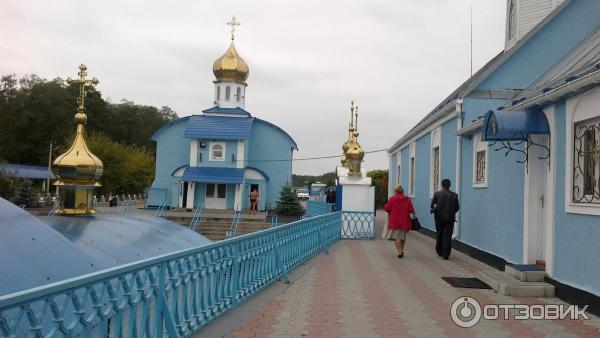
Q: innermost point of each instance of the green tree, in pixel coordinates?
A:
(7, 185)
(288, 204)
(380, 181)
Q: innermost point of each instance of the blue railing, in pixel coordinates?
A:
(162, 209)
(126, 206)
(274, 220)
(197, 216)
(358, 225)
(172, 295)
(315, 208)
(235, 223)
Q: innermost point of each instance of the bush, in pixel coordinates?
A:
(288, 204)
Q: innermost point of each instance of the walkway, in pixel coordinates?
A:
(363, 290)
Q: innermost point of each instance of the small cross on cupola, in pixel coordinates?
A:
(233, 23)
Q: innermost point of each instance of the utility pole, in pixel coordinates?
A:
(471, 48)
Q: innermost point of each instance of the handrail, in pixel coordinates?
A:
(126, 206)
(161, 211)
(197, 215)
(175, 294)
(274, 220)
(237, 215)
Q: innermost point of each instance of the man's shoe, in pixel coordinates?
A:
(401, 255)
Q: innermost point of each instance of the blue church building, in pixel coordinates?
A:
(520, 141)
(218, 157)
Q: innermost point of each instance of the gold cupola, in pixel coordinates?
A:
(354, 154)
(78, 170)
(348, 142)
(231, 66)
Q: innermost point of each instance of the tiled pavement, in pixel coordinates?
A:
(363, 290)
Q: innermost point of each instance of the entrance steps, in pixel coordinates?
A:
(216, 228)
(518, 280)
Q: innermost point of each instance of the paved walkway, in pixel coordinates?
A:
(363, 290)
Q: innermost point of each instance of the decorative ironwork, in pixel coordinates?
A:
(522, 147)
(436, 169)
(586, 162)
(358, 225)
(172, 295)
(480, 169)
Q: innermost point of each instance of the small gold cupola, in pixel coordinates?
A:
(78, 170)
(231, 66)
(354, 154)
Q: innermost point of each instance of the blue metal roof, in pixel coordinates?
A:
(213, 175)
(219, 127)
(501, 125)
(26, 171)
(220, 110)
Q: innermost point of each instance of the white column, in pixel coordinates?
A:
(194, 153)
(237, 201)
(190, 195)
(240, 157)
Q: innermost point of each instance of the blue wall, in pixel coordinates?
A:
(448, 153)
(172, 152)
(393, 173)
(267, 143)
(577, 237)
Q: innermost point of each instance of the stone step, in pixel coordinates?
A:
(509, 286)
(525, 273)
(187, 220)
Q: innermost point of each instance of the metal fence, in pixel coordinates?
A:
(315, 208)
(172, 295)
(358, 225)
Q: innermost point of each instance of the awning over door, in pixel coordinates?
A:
(500, 125)
(214, 175)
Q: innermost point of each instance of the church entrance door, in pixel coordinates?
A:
(535, 222)
(216, 196)
(183, 195)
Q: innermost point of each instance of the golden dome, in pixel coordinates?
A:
(231, 66)
(78, 166)
(355, 151)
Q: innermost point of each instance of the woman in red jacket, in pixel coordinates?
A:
(399, 208)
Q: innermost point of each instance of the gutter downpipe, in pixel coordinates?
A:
(458, 167)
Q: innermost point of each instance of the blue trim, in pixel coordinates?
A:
(503, 125)
(153, 137)
(294, 145)
(261, 172)
(233, 111)
(214, 175)
(183, 166)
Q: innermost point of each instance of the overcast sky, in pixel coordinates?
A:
(308, 59)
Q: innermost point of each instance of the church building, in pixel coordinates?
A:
(218, 157)
(520, 141)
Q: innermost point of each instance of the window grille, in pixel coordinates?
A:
(436, 169)
(586, 162)
(480, 172)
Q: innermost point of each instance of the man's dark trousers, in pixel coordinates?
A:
(443, 244)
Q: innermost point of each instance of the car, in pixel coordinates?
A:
(302, 194)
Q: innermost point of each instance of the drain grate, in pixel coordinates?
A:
(468, 283)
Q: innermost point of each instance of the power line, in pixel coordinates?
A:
(312, 158)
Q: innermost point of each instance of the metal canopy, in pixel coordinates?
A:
(214, 175)
(501, 125)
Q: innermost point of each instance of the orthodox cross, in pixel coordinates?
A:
(233, 23)
(353, 116)
(82, 81)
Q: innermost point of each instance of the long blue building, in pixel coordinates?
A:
(520, 141)
(218, 157)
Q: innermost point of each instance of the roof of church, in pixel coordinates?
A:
(233, 111)
(581, 61)
(214, 175)
(26, 171)
(219, 127)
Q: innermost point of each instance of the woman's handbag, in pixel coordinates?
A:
(416, 225)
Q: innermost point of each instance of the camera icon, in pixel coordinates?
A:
(465, 312)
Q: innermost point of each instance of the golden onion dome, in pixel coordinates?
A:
(231, 66)
(78, 165)
(355, 151)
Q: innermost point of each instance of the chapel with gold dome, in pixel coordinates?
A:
(216, 158)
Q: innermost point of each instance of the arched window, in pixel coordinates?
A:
(238, 94)
(227, 93)
(218, 93)
(512, 20)
(217, 151)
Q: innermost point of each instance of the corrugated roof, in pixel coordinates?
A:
(219, 127)
(220, 110)
(582, 60)
(26, 171)
(213, 175)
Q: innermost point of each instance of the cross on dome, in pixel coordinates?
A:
(233, 23)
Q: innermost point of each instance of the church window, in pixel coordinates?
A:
(435, 161)
(411, 171)
(480, 162)
(436, 169)
(218, 93)
(238, 94)
(217, 151)
(586, 162)
(227, 93)
(512, 20)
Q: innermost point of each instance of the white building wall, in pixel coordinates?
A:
(221, 99)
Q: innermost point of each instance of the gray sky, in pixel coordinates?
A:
(308, 59)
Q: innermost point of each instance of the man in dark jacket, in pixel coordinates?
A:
(444, 206)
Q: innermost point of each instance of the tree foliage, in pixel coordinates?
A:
(380, 181)
(34, 111)
(306, 180)
(288, 204)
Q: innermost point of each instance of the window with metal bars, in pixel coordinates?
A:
(586, 162)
